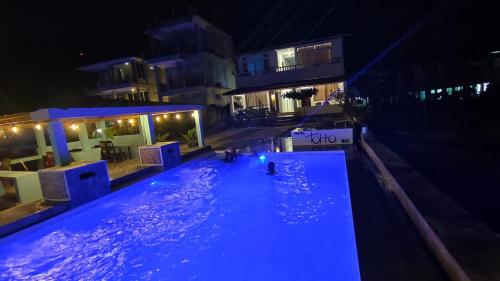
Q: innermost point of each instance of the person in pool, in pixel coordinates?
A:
(271, 168)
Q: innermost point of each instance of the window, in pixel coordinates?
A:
(317, 54)
(141, 71)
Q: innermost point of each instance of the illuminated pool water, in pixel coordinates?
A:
(204, 220)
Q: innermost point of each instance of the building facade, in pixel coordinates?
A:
(188, 61)
(264, 77)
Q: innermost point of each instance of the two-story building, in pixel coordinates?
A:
(188, 61)
(264, 76)
(127, 78)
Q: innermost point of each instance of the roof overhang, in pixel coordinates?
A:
(97, 67)
(165, 61)
(300, 83)
(54, 114)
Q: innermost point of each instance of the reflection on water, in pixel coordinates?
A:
(162, 214)
(299, 201)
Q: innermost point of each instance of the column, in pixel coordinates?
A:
(83, 136)
(101, 126)
(59, 143)
(199, 128)
(231, 100)
(268, 101)
(40, 142)
(147, 129)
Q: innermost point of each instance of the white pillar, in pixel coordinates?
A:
(199, 128)
(231, 105)
(59, 143)
(102, 126)
(83, 136)
(147, 129)
(268, 101)
(40, 142)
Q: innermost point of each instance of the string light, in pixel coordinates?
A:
(158, 119)
(74, 127)
(38, 127)
(131, 122)
(165, 116)
(119, 121)
(15, 129)
(177, 116)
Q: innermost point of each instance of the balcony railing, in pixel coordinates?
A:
(290, 67)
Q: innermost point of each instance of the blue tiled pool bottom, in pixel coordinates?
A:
(204, 220)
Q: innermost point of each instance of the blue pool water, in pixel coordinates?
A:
(204, 220)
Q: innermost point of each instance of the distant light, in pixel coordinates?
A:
(151, 67)
(158, 119)
(99, 130)
(277, 149)
(81, 54)
(131, 122)
(119, 121)
(177, 116)
(133, 89)
(38, 127)
(127, 63)
(495, 52)
(15, 129)
(262, 158)
(74, 127)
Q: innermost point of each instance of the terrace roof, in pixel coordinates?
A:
(48, 114)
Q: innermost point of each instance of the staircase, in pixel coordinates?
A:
(285, 119)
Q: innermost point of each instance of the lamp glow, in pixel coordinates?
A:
(38, 127)
(119, 121)
(192, 114)
(99, 130)
(262, 158)
(15, 129)
(165, 116)
(74, 127)
(177, 116)
(158, 119)
(131, 122)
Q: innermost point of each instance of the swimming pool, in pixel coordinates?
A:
(203, 220)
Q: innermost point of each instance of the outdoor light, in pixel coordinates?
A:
(177, 116)
(119, 121)
(273, 97)
(99, 131)
(74, 127)
(262, 158)
(165, 116)
(151, 67)
(38, 127)
(495, 52)
(158, 119)
(133, 89)
(277, 149)
(126, 63)
(192, 114)
(15, 129)
(131, 121)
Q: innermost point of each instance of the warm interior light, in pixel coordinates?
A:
(277, 149)
(192, 114)
(119, 121)
(74, 127)
(273, 97)
(158, 119)
(38, 127)
(177, 116)
(133, 90)
(15, 129)
(165, 116)
(131, 121)
(99, 130)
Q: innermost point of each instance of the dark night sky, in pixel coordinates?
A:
(42, 41)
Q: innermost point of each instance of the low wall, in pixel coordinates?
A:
(320, 109)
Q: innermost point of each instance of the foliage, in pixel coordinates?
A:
(163, 137)
(255, 116)
(338, 96)
(110, 132)
(301, 94)
(191, 137)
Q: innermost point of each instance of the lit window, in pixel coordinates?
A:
(449, 91)
(439, 91)
(422, 95)
(485, 86)
(433, 91)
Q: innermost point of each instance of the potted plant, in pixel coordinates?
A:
(191, 137)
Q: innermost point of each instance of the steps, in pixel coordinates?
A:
(285, 120)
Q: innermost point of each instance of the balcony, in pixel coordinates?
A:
(292, 73)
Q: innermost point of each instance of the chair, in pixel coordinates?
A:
(111, 153)
(48, 160)
(5, 164)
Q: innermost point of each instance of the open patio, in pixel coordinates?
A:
(47, 138)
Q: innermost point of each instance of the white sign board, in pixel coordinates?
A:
(322, 137)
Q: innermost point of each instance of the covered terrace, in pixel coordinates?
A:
(37, 140)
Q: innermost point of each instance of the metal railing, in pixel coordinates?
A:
(334, 60)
